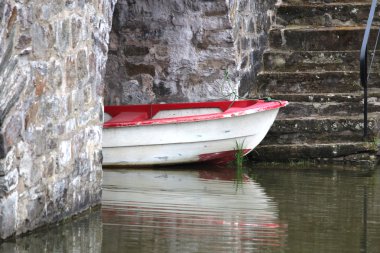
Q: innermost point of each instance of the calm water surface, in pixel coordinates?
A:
(204, 210)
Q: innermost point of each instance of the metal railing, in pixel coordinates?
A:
(364, 73)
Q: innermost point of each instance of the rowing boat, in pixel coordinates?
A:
(176, 133)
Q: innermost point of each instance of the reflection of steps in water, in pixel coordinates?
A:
(189, 208)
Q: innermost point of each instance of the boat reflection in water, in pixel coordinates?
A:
(187, 211)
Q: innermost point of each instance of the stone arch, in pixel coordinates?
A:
(52, 63)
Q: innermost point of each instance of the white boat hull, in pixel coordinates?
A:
(184, 142)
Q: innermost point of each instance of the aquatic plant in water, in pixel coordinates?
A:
(239, 163)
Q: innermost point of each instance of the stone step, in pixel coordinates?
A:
(321, 14)
(308, 38)
(302, 2)
(321, 129)
(311, 82)
(345, 152)
(327, 97)
(327, 104)
(300, 109)
(306, 61)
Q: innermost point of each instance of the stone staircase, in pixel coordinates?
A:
(313, 62)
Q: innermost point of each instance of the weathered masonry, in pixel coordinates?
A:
(52, 60)
(168, 51)
(54, 77)
(313, 61)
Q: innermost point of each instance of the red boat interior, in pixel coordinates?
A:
(127, 115)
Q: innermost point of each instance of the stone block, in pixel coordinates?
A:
(314, 39)
(63, 31)
(24, 41)
(8, 182)
(7, 51)
(48, 166)
(35, 207)
(136, 69)
(44, 12)
(98, 158)
(71, 74)
(40, 41)
(8, 208)
(76, 31)
(59, 195)
(55, 6)
(162, 89)
(100, 43)
(319, 130)
(2, 147)
(81, 3)
(244, 43)
(84, 118)
(308, 152)
(251, 26)
(88, 95)
(70, 4)
(12, 131)
(80, 164)
(307, 61)
(214, 8)
(222, 39)
(244, 62)
(329, 107)
(246, 85)
(132, 93)
(39, 141)
(132, 50)
(342, 14)
(313, 82)
(25, 170)
(55, 74)
(215, 64)
(65, 153)
(216, 23)
(82, 63)
(2, 7)
(8, 163)
(11, 22)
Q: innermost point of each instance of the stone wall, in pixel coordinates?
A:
(52, 67)
(175, 50)
(251, 21)
(180, 50)
(52, 57)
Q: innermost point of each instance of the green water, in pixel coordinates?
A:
(200, 209)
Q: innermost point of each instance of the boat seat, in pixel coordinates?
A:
(128, 117)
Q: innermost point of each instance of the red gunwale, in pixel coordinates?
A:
(238, 108)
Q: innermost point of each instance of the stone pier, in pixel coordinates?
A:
(52, 58)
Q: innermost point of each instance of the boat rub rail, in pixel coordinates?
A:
(134, 115)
